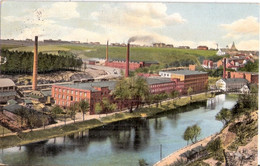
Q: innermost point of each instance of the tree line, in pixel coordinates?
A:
(21, 62)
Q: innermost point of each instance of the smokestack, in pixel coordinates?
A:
(127, 61)
(107, 53)
(224, 68)
(35, 64)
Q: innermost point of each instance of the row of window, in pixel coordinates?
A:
(160, 85)
(70, 91)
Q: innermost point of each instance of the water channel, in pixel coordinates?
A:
(123, 143)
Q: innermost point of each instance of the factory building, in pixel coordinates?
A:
(197, 80)
(94, 92)
(251, 77)
(7, 90)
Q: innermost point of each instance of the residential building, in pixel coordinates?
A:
(232, 84)
(251, 77)
(208, 64)
(7, 90)
(202, 48)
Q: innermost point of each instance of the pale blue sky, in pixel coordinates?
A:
(175, 23)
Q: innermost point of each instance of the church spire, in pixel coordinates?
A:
(233, 47)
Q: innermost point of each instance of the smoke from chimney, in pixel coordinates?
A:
(140, 38)
(35, 64)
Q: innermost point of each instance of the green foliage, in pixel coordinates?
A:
(225, 115)
(56, 110)
(142, 162)
(133, 89)
(98, 108)
(169, 56)
(251, 67)
(83, 106)
(246, 103)
(191, 133)
(215, 148)
(22, 62)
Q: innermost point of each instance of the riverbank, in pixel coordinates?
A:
(56, 131)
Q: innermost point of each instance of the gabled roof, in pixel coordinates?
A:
(186, 72)
(235, 80)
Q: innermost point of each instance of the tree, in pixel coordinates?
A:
(83, 106)
(224, 116)
(214, 146)
(98, 108)
(22, 113)
(32, 120)
(191, 133)
(56, 110)
(108, 106)
(121, 92)
(72, 111)
(142, 162)
(190, 91)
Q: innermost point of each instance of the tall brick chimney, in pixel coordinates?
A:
(224, 68)
(107, 52)
(35, 64)
(127, 61)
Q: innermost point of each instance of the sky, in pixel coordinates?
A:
(189, 24)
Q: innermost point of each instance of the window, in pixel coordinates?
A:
(63, 90)
(68, 97)
(71, 98)
(64, 96)
(85, 94)
(76, 99)
(59, 96)
(72, 92)
(76, 92)
(80, 93)
(59, 90)
(68, 91)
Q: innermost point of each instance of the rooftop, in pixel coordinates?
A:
(234, 80)
(151, 81)
(90, 85)
(186, 72)
(111, 84)
(6, 82)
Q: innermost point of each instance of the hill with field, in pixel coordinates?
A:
(169, 56)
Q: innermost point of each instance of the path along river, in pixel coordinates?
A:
(123, 143)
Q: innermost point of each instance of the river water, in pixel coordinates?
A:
(123, 143)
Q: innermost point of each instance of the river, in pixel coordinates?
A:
(123, 143)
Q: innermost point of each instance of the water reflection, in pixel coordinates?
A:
(119, 142)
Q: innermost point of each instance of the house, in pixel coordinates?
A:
(232, 84)
(202, 48)
(220, 52)
(43, 96)
(7, 90)
(208, 64)
(251, 77)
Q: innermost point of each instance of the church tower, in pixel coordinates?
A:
(233, 47)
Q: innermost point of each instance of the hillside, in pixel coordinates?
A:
(170, 56)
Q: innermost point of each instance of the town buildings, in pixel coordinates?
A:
(208, 64)
(197, 80)
(7, 90)
(251, 77)
(65, 95)
(233, 84)
(133, 65)
(202, 48)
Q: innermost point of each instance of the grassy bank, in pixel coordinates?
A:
(35, 136)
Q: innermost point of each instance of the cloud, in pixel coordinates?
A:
(136, 15)
(242, 27)
(248, 45)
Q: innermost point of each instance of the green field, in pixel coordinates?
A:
(161, 55)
